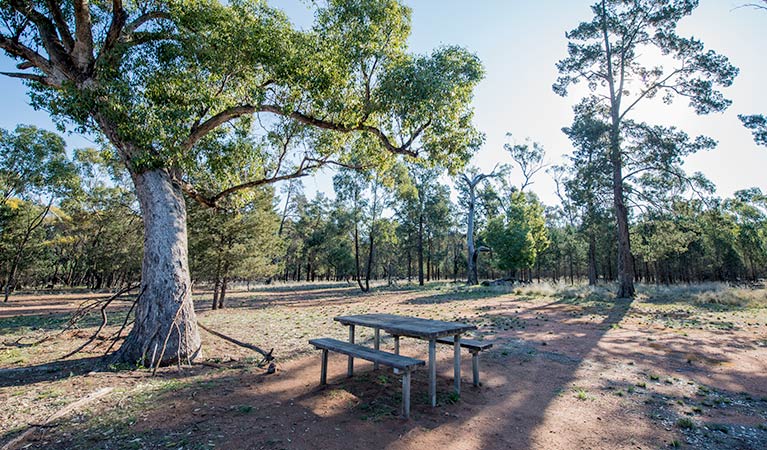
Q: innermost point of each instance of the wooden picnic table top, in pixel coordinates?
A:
(407, 326)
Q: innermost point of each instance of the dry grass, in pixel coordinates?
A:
(705, 294)
(698, 294)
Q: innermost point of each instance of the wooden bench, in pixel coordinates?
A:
(403, 363)
(474, 347)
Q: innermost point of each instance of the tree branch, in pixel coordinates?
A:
(119, 17)
(82, 54)
(656, 85)
(33, 58)
(234, 112)
(61, 24)
(28, 76)
(47, 32)
(141, 20)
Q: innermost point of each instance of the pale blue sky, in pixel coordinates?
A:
(519, 42)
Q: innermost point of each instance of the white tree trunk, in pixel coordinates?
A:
(471, 254)
(165, 328)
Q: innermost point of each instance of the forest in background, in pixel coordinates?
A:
(74, 222)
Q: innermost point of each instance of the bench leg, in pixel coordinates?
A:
(377, 344)
(457, 364)
(324, 370)
(433, 372)
(350, 366)
(396, 349)
(406, 394)
(475, 367)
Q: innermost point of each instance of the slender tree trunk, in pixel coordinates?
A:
(216, 288)
(428, 261)
(592, 259)
(222, 296)
(420, 247)
(357, 257)
(455, 263)
(165, 328)
(625, 266)
(370, 259)
(472, 254)
(10, 283)
(409, 262)
(217, 275)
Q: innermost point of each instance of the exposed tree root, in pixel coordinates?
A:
(268, 358)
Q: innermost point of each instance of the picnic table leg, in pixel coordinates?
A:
(475, 367)
(406, 394)
(324, 370)
(433, 372)
(350, 366)
(377, 345)
(396, 350)
(457, 364)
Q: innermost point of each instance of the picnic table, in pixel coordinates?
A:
(418, 328)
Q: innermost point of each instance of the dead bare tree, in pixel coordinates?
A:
(470, 183)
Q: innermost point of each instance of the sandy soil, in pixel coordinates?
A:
(564, 373)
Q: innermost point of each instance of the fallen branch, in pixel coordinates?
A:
(89, 305)
(18, 343)
(57, 415)
(125, 322)
(267, 355)
(104, 305)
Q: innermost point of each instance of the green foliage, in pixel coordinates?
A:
(613, 54)
(344, 86)
(237, 243)
(90, 235)
(635, 30)
(34, 164)
(685, 423)
(518, 238)
(757, 123)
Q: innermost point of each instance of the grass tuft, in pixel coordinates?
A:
(685, 423)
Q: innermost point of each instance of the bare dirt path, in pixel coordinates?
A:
(568, 370)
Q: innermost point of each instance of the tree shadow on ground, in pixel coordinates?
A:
(243, 409)
(460, 295)
(523, 381)
(28, 375)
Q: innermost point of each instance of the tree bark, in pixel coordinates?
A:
(165, 329)
(409, 260)
(222, 295)
(428, 261)
(625, 263)
(369, 268)
(357, 257)
(625, 266)
(592, 259)
(420, 247)
(471, 259)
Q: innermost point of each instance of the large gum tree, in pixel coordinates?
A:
(612, 54)
(185, 91)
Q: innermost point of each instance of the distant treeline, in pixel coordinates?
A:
(74, 222)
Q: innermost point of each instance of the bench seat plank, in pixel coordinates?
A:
(474, 347)
(369, 354)
(471, 344)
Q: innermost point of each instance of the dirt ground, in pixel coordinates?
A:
(569, 369)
